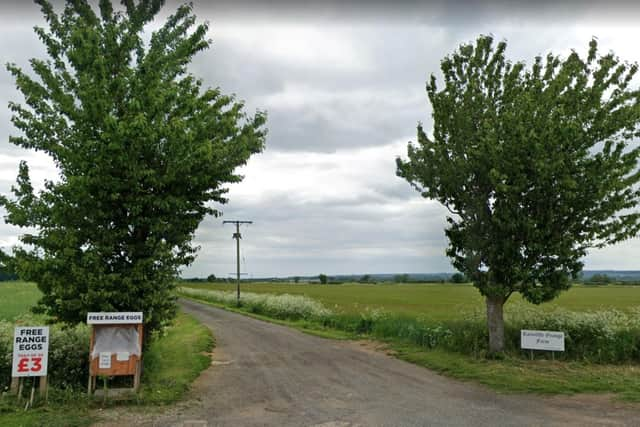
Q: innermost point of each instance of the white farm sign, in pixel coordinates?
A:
(114, 318)
(542, 340)
(30, 351)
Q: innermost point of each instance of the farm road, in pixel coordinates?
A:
(269, 375)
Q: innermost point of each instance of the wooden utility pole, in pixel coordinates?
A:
(237, 236)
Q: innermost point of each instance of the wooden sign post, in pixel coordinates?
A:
(116, 346)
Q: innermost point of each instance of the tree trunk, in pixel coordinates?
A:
(495, 322)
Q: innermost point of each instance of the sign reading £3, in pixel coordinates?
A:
(30, 351)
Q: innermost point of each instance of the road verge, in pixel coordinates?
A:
(512, 375)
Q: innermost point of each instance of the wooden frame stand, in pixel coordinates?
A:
(130, 365)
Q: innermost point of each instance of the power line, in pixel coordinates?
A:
(237, 236)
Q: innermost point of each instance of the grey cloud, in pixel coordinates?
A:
(385, 226)
(432, 11)
(308, 239)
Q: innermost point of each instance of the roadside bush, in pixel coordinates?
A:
(599, 279)
(69, 356)
(68, 366)
(286, 307)
(606, 336)
(6, 349)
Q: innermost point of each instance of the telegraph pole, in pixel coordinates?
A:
(237, 236)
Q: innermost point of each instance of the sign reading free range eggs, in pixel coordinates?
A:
(542, 340)
(30, 351)
(114, 318)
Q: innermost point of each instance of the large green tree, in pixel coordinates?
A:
(142, 151)
(535, 163)
(6, 271)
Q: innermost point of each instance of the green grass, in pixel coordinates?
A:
(172, 362)
(433, 301)
(526, 376)
(17, 298)
(447, 302)
(175, 360)
(70, 416)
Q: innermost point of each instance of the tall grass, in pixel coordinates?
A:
(287, 307)
(603, 336)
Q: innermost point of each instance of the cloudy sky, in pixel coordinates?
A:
(343, 85)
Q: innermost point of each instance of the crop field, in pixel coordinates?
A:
(433, 301)
(17, 298)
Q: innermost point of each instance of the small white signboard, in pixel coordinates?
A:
(542, 340)
(114, 318)
(122, 356)
(104, 362)
(30, 351)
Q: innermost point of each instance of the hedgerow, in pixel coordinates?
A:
(604, 336)
(288, 307)
(68, 352)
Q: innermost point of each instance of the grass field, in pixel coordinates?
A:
(17, 298)
(434, 301)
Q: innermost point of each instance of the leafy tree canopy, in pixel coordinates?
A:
(458, 278)
(5, 264)
(141, 149)
(535, 164)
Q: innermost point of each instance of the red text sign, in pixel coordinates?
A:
(30, 351)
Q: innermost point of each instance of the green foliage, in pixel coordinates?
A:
(323, 279)
(68, 352)
(517, 375)
(211, 278)
(5, 263)
(72, 411)
(289, 307)
(600, 279)
(7, 271)
(604, 336)
(401, 278)
(174, 359)
(141, 148)
(533, 163)
(458, 278)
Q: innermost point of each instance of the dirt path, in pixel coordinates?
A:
(269, 375)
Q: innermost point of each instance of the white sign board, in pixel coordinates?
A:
(114, 318)
(542, 340)
(30, 351)
(122, 356)
(104, 362)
